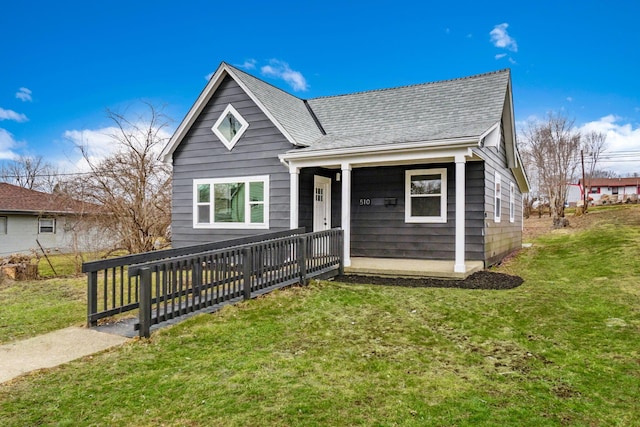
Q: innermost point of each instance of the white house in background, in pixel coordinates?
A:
(29, 218)
(617, 189)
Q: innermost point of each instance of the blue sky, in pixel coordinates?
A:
(63, 63)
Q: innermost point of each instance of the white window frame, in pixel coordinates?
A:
(4, 224)
(442, 218)
(41, 225)
(497, 198)
(247, 224)
(512, 202)
(244, 126)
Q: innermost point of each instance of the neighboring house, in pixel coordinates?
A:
(423, 172)
(29, 217)
(618, 189)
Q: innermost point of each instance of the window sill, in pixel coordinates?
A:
(231, 226)
(425, 220)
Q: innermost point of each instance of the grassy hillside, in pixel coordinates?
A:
(561, 349)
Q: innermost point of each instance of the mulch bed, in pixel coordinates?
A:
(478, 280)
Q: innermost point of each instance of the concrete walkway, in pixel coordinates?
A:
(53, 349)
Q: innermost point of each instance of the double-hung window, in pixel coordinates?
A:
(231, 202)
(497, 198)
(426, 195)
(512, 202)
(46, 225)
(3, 225)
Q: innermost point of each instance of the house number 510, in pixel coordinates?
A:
(365, 202)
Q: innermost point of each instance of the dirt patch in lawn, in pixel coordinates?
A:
(478, 280)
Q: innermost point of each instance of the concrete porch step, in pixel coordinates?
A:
(393, 267)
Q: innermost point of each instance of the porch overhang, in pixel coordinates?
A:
(457, 151)
(385, 155)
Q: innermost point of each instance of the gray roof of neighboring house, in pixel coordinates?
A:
(450, 109)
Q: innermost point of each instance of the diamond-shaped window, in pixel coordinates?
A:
(230, 126)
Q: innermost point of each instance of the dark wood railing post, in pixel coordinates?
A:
(302, 259)
(145, 302)
(92, 297)
(196, 275)
(247, 268)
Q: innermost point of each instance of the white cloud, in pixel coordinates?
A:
(500, 55)
(100, 143)
(12, 115)
(621, 137)
(249, 64)
(24, 94)
(281, 70)
(7, 143)
(500, 38)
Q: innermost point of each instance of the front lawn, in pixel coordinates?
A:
(561, 349)
(34, 307)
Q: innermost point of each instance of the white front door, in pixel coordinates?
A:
(321, 203)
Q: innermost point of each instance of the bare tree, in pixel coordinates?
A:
(554, 145)
(604, 173)
(594, 144)
(31, 172)
(132, 185)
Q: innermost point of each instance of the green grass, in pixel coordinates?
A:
(36, 307)
(562, 349)
(63, 265)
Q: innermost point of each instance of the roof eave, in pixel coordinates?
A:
(37, 212)
(205, 95)
(462, 142)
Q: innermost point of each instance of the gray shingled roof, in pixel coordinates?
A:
(461, 108)
(451, 109)
(287, 109)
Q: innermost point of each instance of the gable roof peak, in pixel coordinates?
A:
(236, 70)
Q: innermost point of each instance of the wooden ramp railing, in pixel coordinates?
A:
(165, 287)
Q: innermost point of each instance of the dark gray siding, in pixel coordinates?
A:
(202, 155)
(504, 237)
(380, 231)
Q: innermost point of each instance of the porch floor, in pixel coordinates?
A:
(393, 267)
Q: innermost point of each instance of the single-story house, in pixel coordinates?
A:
(29, 217)
(419, 177)
(617, 189)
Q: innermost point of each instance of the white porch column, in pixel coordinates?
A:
(346, 212)
(459, 265)
(294, 177)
